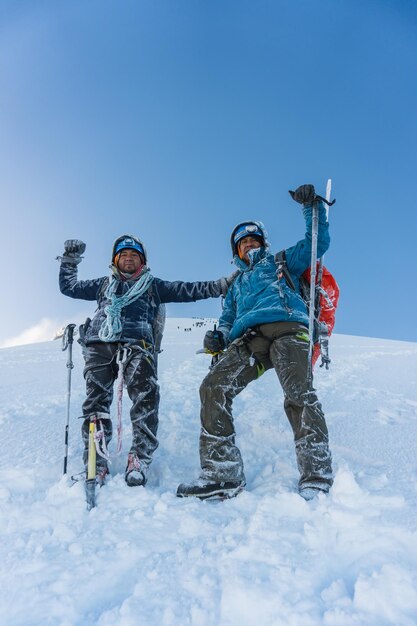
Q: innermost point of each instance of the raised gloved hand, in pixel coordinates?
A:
(214, 341)
(73, 249)
(306, 194)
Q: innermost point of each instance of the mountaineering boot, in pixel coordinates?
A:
(102, 472)
(136, 471)
(205, 490)
(309, 491)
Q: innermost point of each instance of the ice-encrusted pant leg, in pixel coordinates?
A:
(220, 458)
(143, 389)
(100, 373)
(289, 355)
(104, 422)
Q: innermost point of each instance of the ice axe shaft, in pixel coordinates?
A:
(313, 278)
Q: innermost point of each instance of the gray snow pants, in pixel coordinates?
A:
(140, 378)
(283, 346)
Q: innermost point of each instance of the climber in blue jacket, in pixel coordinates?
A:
(264, 325)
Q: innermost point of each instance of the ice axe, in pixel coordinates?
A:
(214, 355)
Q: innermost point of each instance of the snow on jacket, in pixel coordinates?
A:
(137, 318)
(255, 297)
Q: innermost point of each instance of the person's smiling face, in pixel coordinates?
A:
(129, 261)
(245, 244)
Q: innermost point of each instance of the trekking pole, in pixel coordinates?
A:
(67, 341)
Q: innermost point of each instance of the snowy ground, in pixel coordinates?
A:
(146, 558)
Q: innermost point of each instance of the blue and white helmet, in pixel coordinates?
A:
(131, 242)
(248, 229)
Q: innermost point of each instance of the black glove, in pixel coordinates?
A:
(214, 341)
(306, 194)
(73, 249)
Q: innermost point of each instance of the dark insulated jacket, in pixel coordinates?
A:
(137, 318)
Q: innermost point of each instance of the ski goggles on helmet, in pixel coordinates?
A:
(131, 244)
(246, 230)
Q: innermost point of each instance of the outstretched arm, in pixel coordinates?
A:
(179, 291)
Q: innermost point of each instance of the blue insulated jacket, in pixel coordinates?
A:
(138, 317)
(255, 297)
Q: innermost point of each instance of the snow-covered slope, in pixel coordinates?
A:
(146, 558)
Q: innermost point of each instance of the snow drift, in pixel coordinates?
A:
(144, 557)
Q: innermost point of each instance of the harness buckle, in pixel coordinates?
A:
(122, 355)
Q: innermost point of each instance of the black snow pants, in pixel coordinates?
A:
(283, 346)
(100, 373)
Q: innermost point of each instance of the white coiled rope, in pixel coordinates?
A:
(112, 325)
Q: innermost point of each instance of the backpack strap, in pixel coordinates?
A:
(303, 291)
(282, 269)
(103, 288)
(159, 321)
(321, 330)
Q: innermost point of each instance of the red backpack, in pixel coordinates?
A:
(327, 298)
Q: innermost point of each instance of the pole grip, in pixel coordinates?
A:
(68, 336)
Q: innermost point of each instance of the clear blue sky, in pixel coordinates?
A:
(175, 119)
